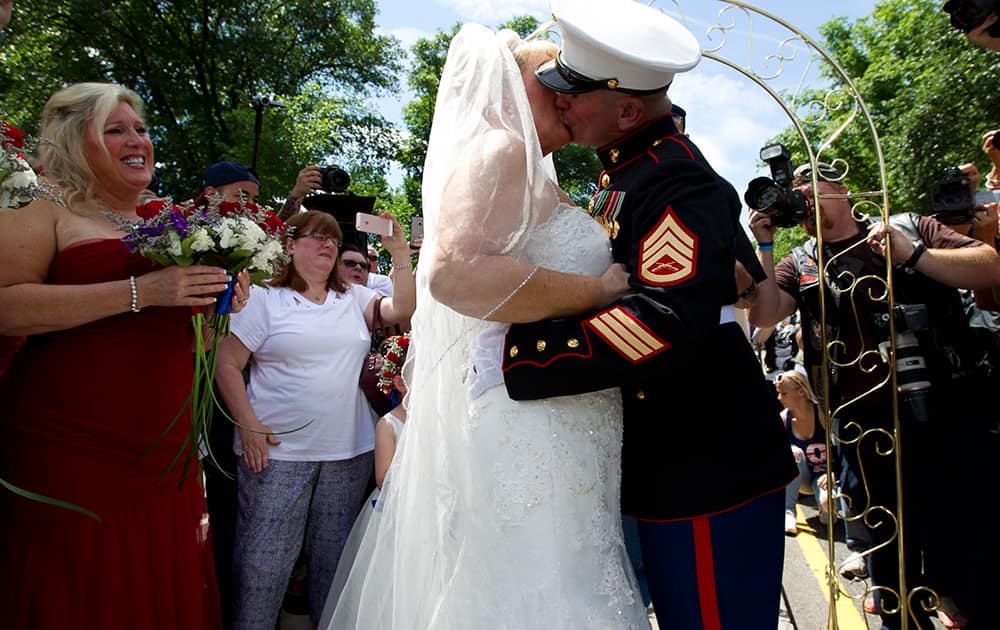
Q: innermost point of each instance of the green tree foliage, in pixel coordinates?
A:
(576, 165)
(197, 66)
(427, 64)
(929, 92)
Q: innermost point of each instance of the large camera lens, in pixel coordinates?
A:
(761, 193)
(787, 207)
(335, 179)
(912, 376)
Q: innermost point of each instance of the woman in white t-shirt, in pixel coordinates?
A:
(305, 431)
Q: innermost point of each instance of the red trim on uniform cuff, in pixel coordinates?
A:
(579, 355)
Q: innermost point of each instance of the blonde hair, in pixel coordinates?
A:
(63, 139)
(800, 382)
(523, 50)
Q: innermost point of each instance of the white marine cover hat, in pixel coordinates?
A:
(617, 45)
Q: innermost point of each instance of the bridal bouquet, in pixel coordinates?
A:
(18, 183)
(231, 235)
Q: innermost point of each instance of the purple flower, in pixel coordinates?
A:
(180, 223)
(132, 242)
(151, 230)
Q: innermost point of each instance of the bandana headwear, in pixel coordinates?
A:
(393, 351)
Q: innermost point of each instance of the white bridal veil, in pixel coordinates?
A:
(486, 186)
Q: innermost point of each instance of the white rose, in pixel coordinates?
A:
(227, 233)
(20, 180)
(265, 259)
(202, 242)
(174, 249)
(252, 236)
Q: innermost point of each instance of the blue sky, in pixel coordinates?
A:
(729, 117)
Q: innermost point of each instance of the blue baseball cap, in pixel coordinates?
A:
(222, 173)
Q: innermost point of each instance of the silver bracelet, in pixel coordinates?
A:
(512, 293)
(135, 295)
(405, 265)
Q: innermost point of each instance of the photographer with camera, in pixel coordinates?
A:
(977, 19)
(943, 445)
(330, 179)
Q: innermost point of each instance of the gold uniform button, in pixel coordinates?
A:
(590, 207)
(573, 343)
(605, 180)
(657, 142)
(640, 395)
(513, 351)
(612, 84)
(614, 155)
(540, 345)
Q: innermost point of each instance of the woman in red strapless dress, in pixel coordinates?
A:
(86, 404)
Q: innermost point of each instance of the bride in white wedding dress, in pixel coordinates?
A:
(496, 514)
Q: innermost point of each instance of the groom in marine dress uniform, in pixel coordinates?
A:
(705, 460)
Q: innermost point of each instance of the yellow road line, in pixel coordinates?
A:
(848, 617)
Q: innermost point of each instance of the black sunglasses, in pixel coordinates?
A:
(351, 264)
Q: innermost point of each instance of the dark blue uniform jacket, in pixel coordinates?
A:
(702, 434)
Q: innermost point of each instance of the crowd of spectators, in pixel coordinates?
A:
(288, 484)
(946, 436)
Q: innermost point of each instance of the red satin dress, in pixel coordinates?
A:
(78, 410)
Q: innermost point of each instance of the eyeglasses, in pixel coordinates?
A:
(373, 257)
(351, 264)
(323, 238)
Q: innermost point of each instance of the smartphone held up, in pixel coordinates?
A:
(372, 224)
(416, 230)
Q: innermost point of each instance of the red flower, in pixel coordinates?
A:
(151, 208)
(227, 208)
(272, 223)
(12, 136)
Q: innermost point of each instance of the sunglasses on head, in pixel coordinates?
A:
(351, 264)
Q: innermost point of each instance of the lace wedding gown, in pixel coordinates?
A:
(537, 543)
(551, 469)
(495, 514)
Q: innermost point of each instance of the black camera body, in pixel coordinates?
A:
(774, 195)
(966, 15)
(335, 179)
(952, 197)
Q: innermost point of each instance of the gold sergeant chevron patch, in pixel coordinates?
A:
(627, 335)
(669, 253)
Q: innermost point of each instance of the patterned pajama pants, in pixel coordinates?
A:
(287, 504)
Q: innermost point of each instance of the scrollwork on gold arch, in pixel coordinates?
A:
(789, 66)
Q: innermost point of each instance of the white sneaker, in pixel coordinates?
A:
(854, 568)
(791, 527)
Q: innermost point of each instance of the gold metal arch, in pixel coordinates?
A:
(820, 123)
